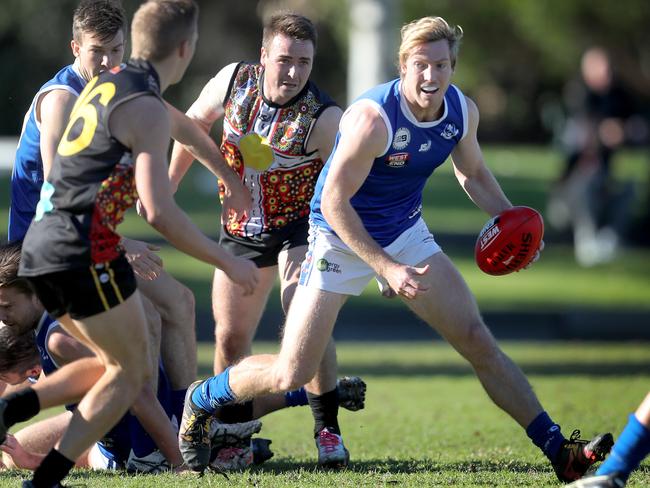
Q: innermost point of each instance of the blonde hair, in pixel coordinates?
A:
(160, 26)
(429, 29)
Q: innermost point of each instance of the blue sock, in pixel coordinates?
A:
(546, 435)
(141, 443)
(214, 392)
(631, 447)
(296, 398)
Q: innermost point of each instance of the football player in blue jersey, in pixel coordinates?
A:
(98, 43)
(366, 222)
(278, 131)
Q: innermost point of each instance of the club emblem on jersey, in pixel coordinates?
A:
(425, 147)
(402, 138)
(397, 160)
(449, 132)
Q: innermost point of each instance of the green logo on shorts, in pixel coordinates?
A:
(322, 264)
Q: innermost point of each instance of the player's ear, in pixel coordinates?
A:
(34, 372)
(75, 47)
(263, 56)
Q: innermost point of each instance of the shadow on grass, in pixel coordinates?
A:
(591, 369)
(408, 466)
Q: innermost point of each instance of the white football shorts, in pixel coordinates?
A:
(97, 460)
(331, 265)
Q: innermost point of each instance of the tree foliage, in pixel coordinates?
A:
(515, 55)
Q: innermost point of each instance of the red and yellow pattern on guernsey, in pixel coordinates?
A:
(115, 196)
(287, 186)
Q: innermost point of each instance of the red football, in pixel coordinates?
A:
(509, 241)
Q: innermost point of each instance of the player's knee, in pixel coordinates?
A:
(183, 309)
(187, 305)
(477, 343)
(288, 379)
(231, 344)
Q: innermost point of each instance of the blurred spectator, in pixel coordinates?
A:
(586, 197)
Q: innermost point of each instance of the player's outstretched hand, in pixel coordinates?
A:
(20, 457)
(405, 280)
(237, 201)
(243, 272)
(537, 255)
(143, 258)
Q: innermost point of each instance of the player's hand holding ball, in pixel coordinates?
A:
(511, 241)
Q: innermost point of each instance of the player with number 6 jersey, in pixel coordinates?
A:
(87, 193)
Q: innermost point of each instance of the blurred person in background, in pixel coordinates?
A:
(587, 198)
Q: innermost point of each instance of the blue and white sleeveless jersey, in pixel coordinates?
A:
(27, 174)
(390, 199)
(45, 327)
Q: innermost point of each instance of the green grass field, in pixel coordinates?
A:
(526, 174)
(428, 422)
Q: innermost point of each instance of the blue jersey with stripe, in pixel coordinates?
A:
(27, 174)
(45, 327)
(390, 199)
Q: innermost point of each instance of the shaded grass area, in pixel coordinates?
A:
(526, 174)
(428, 422)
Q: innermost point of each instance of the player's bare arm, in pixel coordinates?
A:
(472, 173)
(474, 176)
(143, 125)
(204, 112)
(53, 112)
(363, 138)
(323, 135)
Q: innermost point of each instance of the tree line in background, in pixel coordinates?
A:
(515, 59)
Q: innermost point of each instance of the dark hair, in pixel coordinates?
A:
(9, 262)
(160, 26)
(291, 25)
(103, 18)
(18, 351)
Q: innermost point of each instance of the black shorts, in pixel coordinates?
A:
(84, 292)
(263, 249)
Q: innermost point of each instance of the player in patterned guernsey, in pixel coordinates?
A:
(366, 222)
(278, 129)
(115, 142)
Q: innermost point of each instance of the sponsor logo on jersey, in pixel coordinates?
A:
(397, 160)
(425, 147)
(402, 138)
(450, 131)
(324, 266)
(416, 212)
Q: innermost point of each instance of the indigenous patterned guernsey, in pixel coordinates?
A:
(265, 144)
(92, 183)
(27, 175)
(390, 199)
